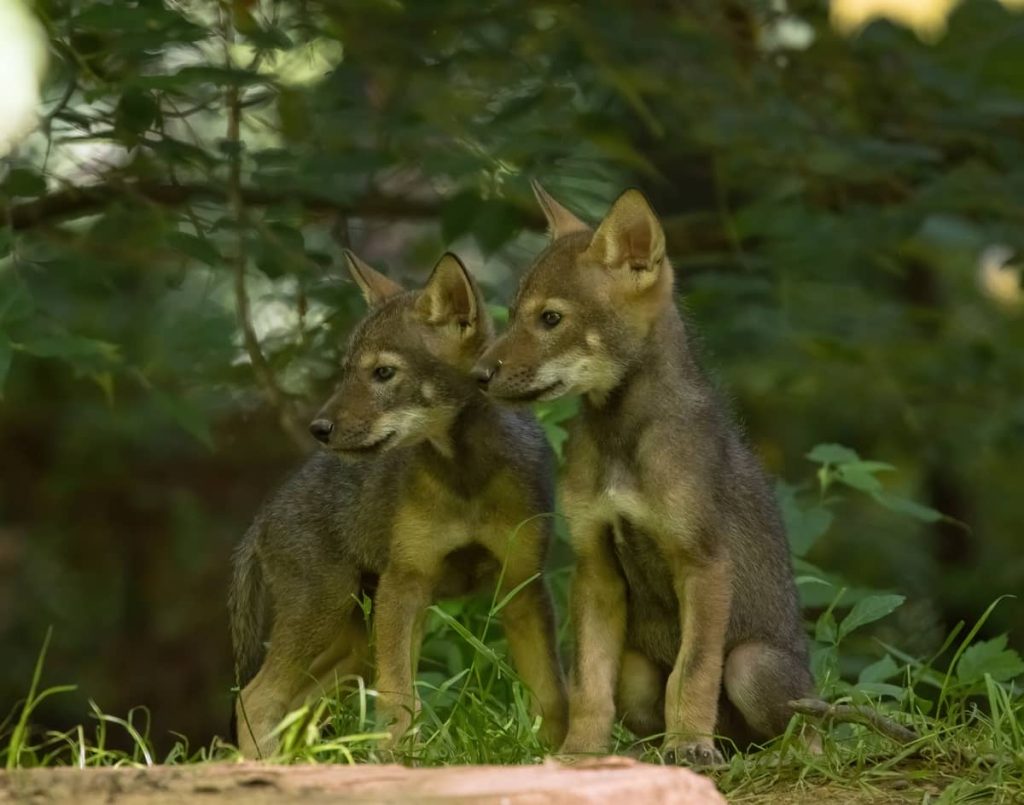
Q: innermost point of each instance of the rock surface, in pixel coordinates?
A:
(603, 780)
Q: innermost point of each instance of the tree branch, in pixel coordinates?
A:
(78, 202)
(855, 714)
(689, 233)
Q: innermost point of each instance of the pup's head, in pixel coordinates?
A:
(405, 375)
(585, 307)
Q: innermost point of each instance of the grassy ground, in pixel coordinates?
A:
(971, 728)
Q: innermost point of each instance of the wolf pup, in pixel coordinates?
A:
(684, 584)
(425, 490)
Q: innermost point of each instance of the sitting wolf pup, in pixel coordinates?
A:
(426, 490)
(684, 586)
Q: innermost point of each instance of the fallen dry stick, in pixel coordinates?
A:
(855, 714)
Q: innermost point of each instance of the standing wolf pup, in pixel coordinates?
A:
(683, 585)
(442, 481)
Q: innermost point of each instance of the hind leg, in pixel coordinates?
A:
(302, 634)
(640, 696)
(760, 680)
(346, 657)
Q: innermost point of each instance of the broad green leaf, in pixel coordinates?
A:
(880, 671)
(499, 313)
(556, 436)
(494, 224)
(868, 610)
(23, 182)
(558, 410)
(198, 248)
(859, 477)
(268, 38)
(916, 510)
(15, 300)
(832, 454)
(135, 114)
(990, 657)
(75, 349)
(186, 414)
(825, 666)
(825, 629)
(804, 526)
(458, 214)
(877, 689)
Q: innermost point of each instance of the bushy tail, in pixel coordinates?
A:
(246, 607)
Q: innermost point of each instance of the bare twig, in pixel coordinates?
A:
(264, 374)
(855, 714)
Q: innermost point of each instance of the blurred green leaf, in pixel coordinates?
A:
(201, 249)
(990, 657)
(75, 349)
(832, 454)
(494, 224)
(458, 214)
(825, 628)
(187, 415)
(15, 300)
(136, 113)
(5, 361)
(868, 610)
(804, 526)
(23, 182)
(918, 511)
(880, 671)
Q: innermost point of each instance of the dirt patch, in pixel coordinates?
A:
(607, 780)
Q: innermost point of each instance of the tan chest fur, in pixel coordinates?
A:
(649, 492)
(432, 520)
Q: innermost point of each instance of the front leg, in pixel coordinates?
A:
(529, 622)
(403, 596)
(598, 605)
(692, 693)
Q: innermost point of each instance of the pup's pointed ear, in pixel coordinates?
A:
(560, 221)
(450, 295)
(630, 236)
(375, 286)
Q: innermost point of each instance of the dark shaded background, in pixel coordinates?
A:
(836, 211)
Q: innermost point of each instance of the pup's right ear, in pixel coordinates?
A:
(375, 286)
(561, 222)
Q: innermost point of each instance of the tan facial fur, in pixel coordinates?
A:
(424, 342)
(606, 287)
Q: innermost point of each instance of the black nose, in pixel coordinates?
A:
(483, 372)
(321, 429)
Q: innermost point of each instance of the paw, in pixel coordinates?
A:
(552, 733)
(573, 750)
(396, 722)
(693, 753)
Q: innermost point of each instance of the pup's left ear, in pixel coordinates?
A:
(450, 296)
(629, 237)
(561, 221)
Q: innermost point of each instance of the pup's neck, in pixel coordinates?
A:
(662, 379)
(455, 443)
(664, 354)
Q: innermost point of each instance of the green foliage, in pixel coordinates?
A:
(991, 659)
(827, 210)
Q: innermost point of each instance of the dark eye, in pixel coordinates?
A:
(383, 373)
(550, 318)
